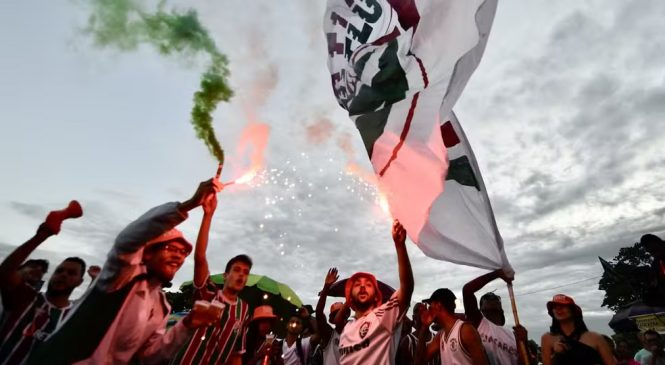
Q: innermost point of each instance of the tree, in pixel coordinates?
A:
(180, 301)
(625, 284)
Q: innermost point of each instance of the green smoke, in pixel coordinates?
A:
(125, 24)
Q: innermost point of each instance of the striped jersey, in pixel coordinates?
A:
(35, 319)
(215, 344)
(372, 339)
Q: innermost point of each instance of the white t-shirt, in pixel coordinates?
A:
(499, 343)
(642, 355)
(372, 339)
(451, 349)
(331, 351)
(290, 354)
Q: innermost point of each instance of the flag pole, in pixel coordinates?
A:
(521, 345)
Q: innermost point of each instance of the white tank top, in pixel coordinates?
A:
(331, 352)
(499, 343)
(451, 349)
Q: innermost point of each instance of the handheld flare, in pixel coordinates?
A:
(219, 172)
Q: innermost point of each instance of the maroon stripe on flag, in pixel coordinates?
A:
(450, 137)
(405, 132)
(387, 38)
(407, 12)
(383, 40)
(423, 72)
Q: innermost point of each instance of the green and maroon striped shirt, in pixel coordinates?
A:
(215, 344)
(32, 320)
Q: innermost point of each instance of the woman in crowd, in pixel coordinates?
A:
(259, 337)
(569, 341)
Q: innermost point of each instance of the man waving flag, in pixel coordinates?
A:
(398, 67)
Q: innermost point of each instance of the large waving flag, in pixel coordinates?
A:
(398, 67)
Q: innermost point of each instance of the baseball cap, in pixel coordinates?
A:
(441, 295)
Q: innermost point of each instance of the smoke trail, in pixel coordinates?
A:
(125, 24)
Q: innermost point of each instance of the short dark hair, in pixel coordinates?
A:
(79, 261)
(652, 333)
(240, 258)
(36, 262)
(489, 296)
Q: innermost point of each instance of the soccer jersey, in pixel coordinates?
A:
(215, 344)
(372, 339)
(451, 349)
(331, 351)
(35, 319)
(499, 343)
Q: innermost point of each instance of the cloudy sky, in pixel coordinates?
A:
(565, 114)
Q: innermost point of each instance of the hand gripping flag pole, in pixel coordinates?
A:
(520, 344)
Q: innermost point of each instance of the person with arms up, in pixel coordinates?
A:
(330, 336)
(500, 344)
(458, 343)
(372, 337)
(224, 341)
(29, 316)
(122, 317)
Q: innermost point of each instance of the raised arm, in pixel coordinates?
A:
(201, 271)
(323, 328)
(471, 309)
(125, 257)
(10, 279)
(405, 273)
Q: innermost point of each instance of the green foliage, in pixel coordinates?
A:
(125, 24)
(631, 273)
(180, 301)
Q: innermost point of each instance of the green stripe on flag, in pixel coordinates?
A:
(460, 170)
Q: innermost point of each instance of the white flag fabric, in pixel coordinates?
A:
(398, 67)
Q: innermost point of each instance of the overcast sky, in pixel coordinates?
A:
(565, 114)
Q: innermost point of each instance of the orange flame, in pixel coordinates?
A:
(383, 203)
(251, 145)
(246, 178)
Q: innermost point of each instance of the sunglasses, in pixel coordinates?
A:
(175, 249)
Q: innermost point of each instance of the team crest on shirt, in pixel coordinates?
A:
(453, 345)
(364, 328)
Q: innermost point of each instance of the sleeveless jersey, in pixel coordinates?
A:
(499, 343)
(451, 349)
(331, 351)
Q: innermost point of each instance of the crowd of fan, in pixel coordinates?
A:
(122, 317)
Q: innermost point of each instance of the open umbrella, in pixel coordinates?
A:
(262, 290)
(337, 289)
(623, 320)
